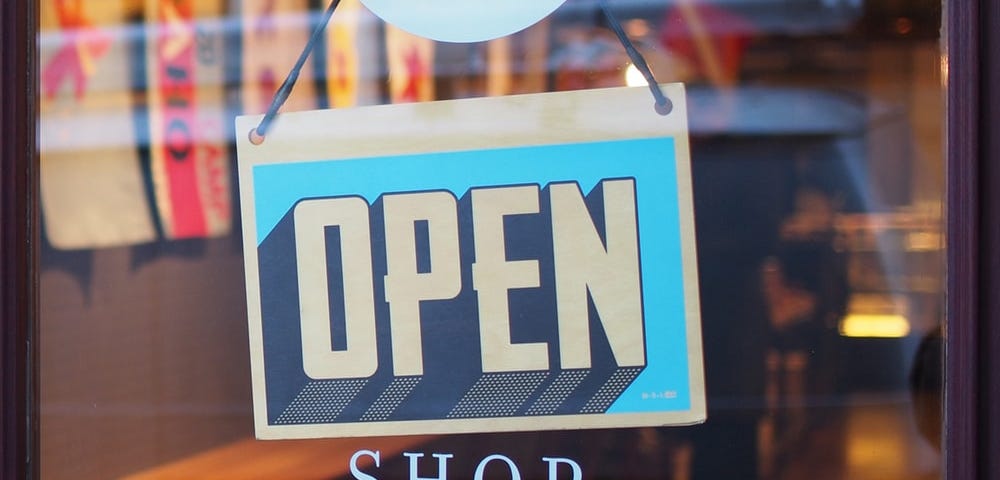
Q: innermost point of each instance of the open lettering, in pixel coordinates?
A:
(595, 260)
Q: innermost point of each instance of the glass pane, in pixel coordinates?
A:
(816, 132)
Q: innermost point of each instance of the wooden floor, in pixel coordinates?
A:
(291, 459)
(873, 438)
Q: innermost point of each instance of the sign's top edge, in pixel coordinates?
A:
(670, 89)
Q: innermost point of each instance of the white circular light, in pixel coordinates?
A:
(633, 77)
(462, 20)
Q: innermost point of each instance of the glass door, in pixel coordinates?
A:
(818, 161)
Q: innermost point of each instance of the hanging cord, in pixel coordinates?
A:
(663, 105)
(257, 135)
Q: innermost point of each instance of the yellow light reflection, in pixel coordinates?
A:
(877, 444)
(874, 326)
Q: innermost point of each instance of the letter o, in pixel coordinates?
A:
(515, 474)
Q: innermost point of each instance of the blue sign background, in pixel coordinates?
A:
(664, 384)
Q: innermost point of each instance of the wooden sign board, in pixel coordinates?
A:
(494, 264)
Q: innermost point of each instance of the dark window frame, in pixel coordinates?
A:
(972, 388)
(18, 239)
(972, 347)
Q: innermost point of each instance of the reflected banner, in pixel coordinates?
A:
(482, 265)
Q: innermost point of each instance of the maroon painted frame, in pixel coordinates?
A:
(972, 389)
(972, 349)
(989, 281)
(18, 232)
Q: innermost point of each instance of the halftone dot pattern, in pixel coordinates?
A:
(498, 395)
(390, 399)
(321, 402)
(557, 392)
(610, 391)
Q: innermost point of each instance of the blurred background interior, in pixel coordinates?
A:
(816, 129)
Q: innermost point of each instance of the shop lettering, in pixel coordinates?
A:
(500, 461)
(589, 268)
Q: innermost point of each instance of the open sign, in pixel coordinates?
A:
(465, 283)
(601, 268)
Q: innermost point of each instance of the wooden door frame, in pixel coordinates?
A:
(18, 238)
(972, 346)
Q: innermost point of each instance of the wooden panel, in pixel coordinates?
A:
(299, 459)
(989, 282)
(963, 162)
(143, 356)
